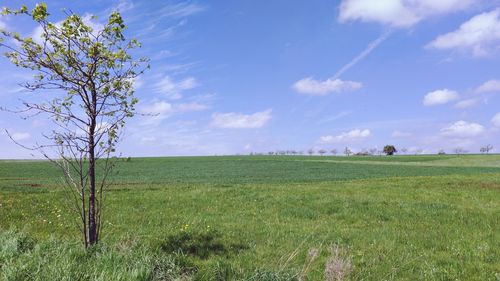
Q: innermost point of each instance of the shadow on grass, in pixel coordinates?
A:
(200, 244)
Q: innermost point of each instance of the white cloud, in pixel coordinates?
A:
(241, 121)
(397, 13)
(466, 103)
(462, 129)
(161, 110)
(479, 35)
(496, 120)
(314, 87)
(20, 136)
(172, 89)
(440, 97)
(489, 86)
(400, 134)
(353, 135)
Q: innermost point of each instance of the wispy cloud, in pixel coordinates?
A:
(372, 46)
(335, 117)
(173, 89)
(158, 111)
(467, 103)
(401, 134)
(124, 6)
(234, 120)
(496, 120)
(16, 135)
(180, 10)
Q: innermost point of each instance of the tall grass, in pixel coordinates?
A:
(24, 258)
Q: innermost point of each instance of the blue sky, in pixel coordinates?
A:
(232, 77)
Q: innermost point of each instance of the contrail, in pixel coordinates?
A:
(374, 44)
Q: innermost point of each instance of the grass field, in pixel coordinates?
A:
(262, 218)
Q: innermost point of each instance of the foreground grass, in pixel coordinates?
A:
(425, 225)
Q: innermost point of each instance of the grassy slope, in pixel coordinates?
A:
(430, 223)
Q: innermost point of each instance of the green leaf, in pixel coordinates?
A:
(39, 13)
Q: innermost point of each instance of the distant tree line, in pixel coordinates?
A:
(386, 150)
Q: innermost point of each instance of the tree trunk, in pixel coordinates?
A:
(92, 211)
(92, 236)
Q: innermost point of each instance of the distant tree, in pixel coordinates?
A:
(89, 74)
(334, 151)
(347, 151)
(486, 149)
(270, 153)
(404, 150)
(390, 149)
(441, 152)
(459, 151)
(373, 151)
(310, 151)
(419, 151)
(322, 152)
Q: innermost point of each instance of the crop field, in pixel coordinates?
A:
(261, 218)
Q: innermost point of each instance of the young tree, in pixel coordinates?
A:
(486, 149)
(333, 151)
(321, 152)
(390, 149)
(89, 74)
(310, 151)
(347, 151)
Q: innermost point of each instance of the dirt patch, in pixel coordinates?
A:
(489, 185)
(29, 185)
(135, 183)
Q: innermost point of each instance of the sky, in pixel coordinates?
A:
(235, 77)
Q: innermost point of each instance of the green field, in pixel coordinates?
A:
(260, 218)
